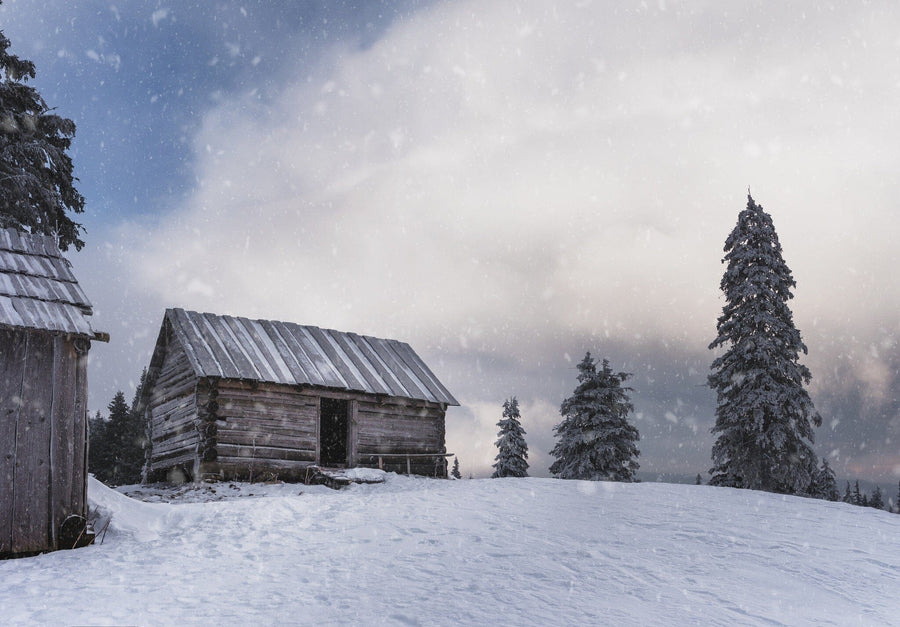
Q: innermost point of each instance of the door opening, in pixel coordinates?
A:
(333, 418)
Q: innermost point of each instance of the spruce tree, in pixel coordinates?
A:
(512, 451)
(848, 496)
(898, 497)
(824, 485)
(36, 176)
(99, 456)
(877, 500)
(699, 480)
(455, 471)
(857, 495)
(595, 439)
(764, 415)
(125, 436)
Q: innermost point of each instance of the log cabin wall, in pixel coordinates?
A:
(394, 427)
(264, 429)
(172, 417)
(43, 438)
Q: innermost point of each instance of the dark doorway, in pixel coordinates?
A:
(333, 414)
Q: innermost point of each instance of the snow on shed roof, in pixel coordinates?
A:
(37, 287)
(283, 352)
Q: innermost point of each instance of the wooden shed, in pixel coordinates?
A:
(229, 397)
(45, 336)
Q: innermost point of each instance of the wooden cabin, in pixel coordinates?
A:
(45, 335)
(234, 398)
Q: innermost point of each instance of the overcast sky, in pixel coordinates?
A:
(503, 185)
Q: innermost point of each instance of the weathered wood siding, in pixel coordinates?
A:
(399, 427)
(43, 430)
(264, 428)
(172, 415)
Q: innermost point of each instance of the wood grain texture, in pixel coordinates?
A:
(12, 360)
(31, 482)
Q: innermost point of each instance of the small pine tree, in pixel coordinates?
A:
(848, 495)
(123, 440)
(824, 485)
(699, 480)
(877, 500)
(858, 497)
(512, 450)
(898, 497)
(99, 457)
(764, 416)
(596, 442)
(455, 471)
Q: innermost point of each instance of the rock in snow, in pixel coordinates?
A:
(492, 551)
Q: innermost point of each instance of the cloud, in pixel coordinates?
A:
(158, 16)
(509, 179)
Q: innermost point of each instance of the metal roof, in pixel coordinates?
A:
(284, 352)
(37, 287)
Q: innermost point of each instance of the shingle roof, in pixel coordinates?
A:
(37, 287)
(284, 352)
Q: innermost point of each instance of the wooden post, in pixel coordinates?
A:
(408, 469)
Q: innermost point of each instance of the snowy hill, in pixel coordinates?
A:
(503, 551)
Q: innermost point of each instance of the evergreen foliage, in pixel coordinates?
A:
(764, 415)
(595, 439)
(454, 472)
(36, 175)
(512, 450)
(824, 485)
(848, 496)
(116, 450)
(699, 480)
(99, 456)
(877, 500)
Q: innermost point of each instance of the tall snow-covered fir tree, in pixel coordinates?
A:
(512, 450)
(596, 441)
(37, 185)
(764, 415)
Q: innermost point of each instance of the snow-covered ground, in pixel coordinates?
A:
(415, 551)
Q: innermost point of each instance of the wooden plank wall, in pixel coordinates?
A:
(43, 421)
(171, 412)
(265, 428)
(12, 360)
(396, 426)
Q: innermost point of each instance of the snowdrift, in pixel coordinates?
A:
(501, 551)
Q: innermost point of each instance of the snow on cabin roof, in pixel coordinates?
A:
(37, 287)
(283, 352)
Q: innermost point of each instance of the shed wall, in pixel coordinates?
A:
(43, 438)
